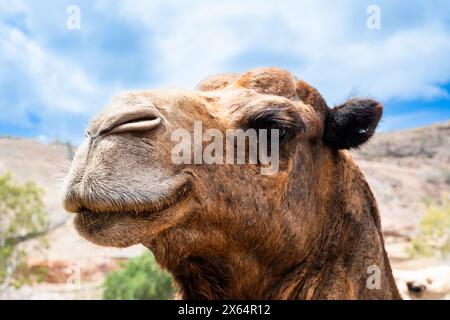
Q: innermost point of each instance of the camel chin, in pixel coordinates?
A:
(106, 222)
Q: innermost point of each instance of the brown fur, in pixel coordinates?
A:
(310, 231)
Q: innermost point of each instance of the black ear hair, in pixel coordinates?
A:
(352, 123)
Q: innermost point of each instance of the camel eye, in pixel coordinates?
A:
(285, 121)
(270, 124)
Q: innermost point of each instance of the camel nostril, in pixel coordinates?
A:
(136, 125)
(130, 121)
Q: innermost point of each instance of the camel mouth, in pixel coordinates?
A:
(139, 209)
(98, 196)
(110, 226)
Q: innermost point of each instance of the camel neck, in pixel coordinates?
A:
(342, 258)
(352, 266)
(342, 272)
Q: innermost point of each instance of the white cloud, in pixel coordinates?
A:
(325, 43)
(406, 59)
(413, 119)
(12, 7)
(57, 84)
(407, 65)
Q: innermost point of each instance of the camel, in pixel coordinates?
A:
(225, 231)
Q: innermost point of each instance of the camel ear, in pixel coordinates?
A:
(352, 123)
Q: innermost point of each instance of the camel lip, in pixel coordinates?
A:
(122, 212)
(140, 210)
(101, 226)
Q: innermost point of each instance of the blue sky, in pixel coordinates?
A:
(52, 79)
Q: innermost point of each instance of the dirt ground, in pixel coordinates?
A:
(403, 169)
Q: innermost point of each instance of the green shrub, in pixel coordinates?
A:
(434, 238)
(140, 279)
(22, 216)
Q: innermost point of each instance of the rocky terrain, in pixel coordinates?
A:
(75, 267)
(405, 169)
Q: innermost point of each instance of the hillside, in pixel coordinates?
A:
(44, 164)
(404, 169)
(68, 256)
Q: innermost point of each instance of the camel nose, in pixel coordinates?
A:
(135, 119)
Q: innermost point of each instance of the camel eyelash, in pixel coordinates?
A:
(272, 121)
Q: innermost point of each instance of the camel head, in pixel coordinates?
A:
(226, 229)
